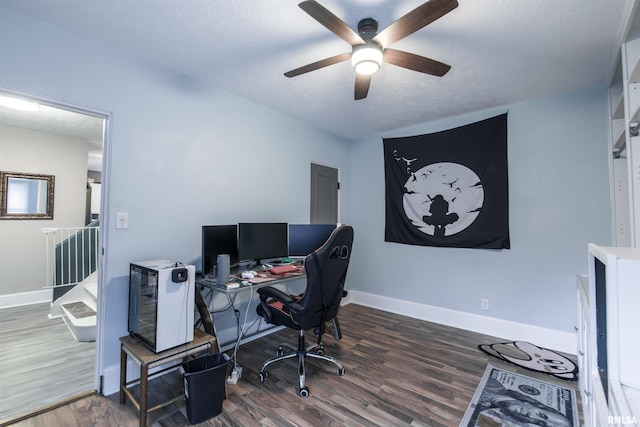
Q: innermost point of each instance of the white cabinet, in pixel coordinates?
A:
(609, 337)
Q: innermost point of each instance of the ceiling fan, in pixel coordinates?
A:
(370, 48)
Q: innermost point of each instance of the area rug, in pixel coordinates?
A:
(507, 399)
(534, 358)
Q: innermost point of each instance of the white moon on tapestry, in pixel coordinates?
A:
(443, 199)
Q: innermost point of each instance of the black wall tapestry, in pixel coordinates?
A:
(449, 188)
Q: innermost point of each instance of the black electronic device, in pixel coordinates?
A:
(262, 240)
(179, 275)
(306, 238)
(600, 276)
(216, 240)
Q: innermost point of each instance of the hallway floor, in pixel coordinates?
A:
(40, 361)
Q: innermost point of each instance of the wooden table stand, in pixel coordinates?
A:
(146, 360)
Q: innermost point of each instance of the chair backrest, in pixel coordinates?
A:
(326, 270)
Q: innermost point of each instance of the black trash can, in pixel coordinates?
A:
(204, 386)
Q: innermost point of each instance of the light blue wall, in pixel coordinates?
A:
(183, 154)
(559, 201)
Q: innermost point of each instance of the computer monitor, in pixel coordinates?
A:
(262, 240)
(306, 238)
(216, 240)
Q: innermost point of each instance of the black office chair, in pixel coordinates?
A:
(326, 270)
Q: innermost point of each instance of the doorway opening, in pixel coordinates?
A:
(44, 360)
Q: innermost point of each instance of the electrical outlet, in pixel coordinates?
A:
(484, 304)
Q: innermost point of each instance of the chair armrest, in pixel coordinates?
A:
(277, 294)
(268, 294)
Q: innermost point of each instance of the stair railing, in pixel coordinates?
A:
(71, 254)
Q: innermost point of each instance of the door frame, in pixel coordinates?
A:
(104, 210)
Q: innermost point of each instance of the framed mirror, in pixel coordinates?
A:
(26, 195)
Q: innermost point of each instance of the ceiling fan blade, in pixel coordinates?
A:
(362, 86)
(331, 21)
(415, 62)
(411, 22)
(318, 64)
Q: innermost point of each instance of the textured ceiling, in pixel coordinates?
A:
(60, 122)
(501, 52)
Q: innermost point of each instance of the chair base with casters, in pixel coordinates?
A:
(301, 352)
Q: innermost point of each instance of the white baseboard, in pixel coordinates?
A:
(552, 339)
(111, 378)
(26, 298)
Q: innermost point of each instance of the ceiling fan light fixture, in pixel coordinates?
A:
(367, 58)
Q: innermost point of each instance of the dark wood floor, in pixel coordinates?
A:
(399, 372)
(40, 361)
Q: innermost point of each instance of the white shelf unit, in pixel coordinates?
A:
(619, 165)
(620, 196)
(609, 337)
(626, 147)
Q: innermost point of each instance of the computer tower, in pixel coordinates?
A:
(161, 303)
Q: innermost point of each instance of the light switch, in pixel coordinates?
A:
(122, 220)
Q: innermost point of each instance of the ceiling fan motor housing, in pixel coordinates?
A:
(368, 28)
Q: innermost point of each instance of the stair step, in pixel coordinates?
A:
(92, 289)
(80, 319)
(79, 309)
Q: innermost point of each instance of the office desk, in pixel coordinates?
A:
(146, 359)
(264, 279)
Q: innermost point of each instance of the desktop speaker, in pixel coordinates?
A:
(223, 269)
